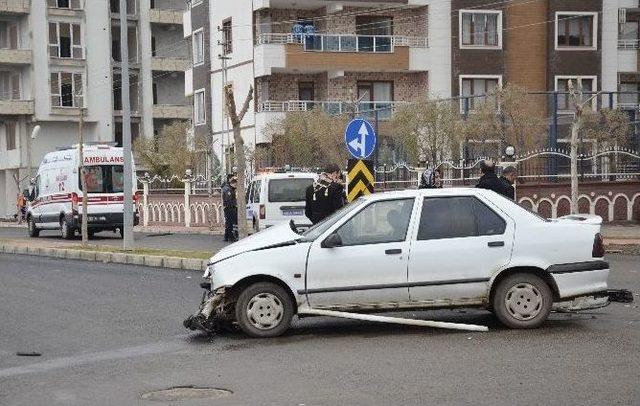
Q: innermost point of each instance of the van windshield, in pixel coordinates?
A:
(103, 178)
(288, 190)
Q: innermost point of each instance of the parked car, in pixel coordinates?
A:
(277, 197)
(407, 250)
(56, 198)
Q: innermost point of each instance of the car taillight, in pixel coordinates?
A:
(136, 198)
(263, 213)
(598, 247)
(74, 201)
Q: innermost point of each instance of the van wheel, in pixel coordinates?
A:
(32, 229)
(264, 309)
(522, 300)
(66, 230)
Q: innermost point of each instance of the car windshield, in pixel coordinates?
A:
(288, 190)
(103, 178)
(318, 229)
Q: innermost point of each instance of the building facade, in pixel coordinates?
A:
(331, 54)
(61, 57)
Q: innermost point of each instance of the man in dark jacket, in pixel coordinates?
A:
(509, 175)
(230, 205)
(325, 196)
(489, 179)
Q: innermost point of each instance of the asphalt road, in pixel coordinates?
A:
(191, 242)
(109, 333)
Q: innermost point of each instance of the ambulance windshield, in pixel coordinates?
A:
(103, 178)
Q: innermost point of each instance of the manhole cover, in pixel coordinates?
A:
(186, 392)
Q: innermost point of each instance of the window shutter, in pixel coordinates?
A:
(53, 40)
(15, 86)
(13, 36)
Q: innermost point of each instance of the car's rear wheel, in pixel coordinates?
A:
(66, 231)
(32, 229)
(264, 309)
(522, 300)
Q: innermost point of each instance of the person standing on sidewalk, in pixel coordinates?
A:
(325, 196)
(509, 176)
(230, 205)
(21, 207)
(489, 179)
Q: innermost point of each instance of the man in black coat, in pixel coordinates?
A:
(230, 205)
(509, 175)
(325, 196)
(489, 179)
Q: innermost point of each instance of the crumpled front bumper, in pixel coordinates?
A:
(215, 313)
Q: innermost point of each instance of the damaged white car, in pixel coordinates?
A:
(408, 250)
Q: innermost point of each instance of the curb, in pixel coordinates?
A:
(188, 264)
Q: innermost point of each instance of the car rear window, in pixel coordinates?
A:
(288, 190)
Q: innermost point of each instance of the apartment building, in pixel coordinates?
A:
(58, 57)
(308, 54)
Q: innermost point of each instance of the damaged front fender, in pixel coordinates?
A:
(215, 313)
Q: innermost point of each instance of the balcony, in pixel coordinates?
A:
(15, 56)
(159, 16)
(16, 107)
(167, 64)
(385, 108)
(287, 52)
(15, 6)
(628, 43)
(172, 111)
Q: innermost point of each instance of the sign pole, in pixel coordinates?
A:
(127, 226)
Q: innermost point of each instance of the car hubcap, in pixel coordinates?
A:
(523, 301)
(265, 311)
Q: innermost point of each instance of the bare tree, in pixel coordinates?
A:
(307, 139)
(236, 121)
(429, 129)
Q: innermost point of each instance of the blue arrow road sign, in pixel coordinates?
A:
(360, 138)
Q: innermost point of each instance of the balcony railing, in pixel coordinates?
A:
(384, 108)
(344, 42)
(628, 43)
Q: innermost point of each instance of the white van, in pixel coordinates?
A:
(55, 203)
(273, 198)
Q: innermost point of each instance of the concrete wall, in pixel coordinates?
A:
(169, 89)
(169, 41)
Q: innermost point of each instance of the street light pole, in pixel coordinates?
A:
(127, 226)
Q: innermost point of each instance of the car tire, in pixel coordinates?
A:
(66, 231)
(32, 229)
(522, 300)
(264, 309)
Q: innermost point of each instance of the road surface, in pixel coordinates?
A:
(109, 333)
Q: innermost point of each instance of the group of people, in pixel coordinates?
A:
(326, 195)
(502, 185)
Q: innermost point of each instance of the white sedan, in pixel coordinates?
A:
(407, 250)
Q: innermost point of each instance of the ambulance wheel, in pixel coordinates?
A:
(66, 231)
(264, 309)
(32, 229)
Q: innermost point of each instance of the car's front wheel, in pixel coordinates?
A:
(522, 300)
(32, 229)
(264, 309)
(66, 230)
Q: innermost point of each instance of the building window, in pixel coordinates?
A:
(67, 89)
(10, 134)
(65, 40)
(131, 6)
(198, 47)
(306, 91)
(474, 88)
(480, 29)
(629, 96)
(9, 85)
(199, 109)
(227, 37)
(132, 40)
(8, 35)
(586, 83)
(576, 30)
(195, 3)
(70, 4)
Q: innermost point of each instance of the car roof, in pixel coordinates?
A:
(454, 191)
(285, 175)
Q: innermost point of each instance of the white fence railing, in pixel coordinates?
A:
(344, 42)
(385, 108)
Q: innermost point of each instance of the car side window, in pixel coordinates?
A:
(457, 217)
(380, 222)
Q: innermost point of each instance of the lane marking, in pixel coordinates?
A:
(91, 358)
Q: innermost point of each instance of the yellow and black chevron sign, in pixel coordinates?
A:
(360, 177)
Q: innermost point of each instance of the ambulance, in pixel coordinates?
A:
(55, 198)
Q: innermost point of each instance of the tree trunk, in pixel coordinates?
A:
(236, 121)
(575, 130)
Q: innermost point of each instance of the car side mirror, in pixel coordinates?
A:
(332, 241)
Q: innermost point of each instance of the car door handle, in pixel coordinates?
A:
(495, 243)
(394, 251)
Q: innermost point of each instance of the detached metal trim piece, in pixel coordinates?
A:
(578, 267)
